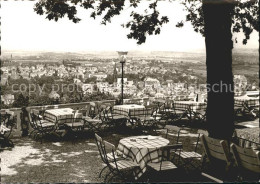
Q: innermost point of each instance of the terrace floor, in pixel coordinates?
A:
(67, 161)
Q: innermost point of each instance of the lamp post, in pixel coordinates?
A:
(122, 59)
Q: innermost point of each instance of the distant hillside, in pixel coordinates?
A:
(239, 55)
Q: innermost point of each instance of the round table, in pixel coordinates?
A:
(142, 149)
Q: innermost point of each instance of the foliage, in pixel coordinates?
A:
(245, 15)
(21, 101)
(91, 79)
(110, 79)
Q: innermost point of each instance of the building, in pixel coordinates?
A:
(119, 82)
(99, 76)
(151, 83)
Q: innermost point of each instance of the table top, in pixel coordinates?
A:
(130, 106)
(147, 141)
(58, 112)
(245, 97)
(189, 102)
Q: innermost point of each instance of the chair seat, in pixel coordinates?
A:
(148, 118)
(45, 123)
(75, 124)
(166, 165)
(117, 116)
(191, 154)
(118, 155)
(124, 164)
(176, 151)
(169, 110)
(179, 112)
(94, 121)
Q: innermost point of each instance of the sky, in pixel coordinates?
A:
(24, 30)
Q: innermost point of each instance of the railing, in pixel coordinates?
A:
(17, 112)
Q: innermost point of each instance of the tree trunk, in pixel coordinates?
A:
(219, 44)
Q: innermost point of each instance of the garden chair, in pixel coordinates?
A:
(174, 134)
(149, 119)
(106, 117)
(166, 110)
(96, 121)
(106, 156)
(75, 124)
(92, 110)
(118, 167)
(251, 110)
(41, 127)
(164, 164)
(246, 159)
(200, 114)
(7, 125)
(177, 113)
(189, 156)
(112, 119)
(162, 132)
(217, 152)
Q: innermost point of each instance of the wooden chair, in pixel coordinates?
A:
(189, 156)
(106, 156)
(215, 151)
(6, 124)
(177, 113)
(165, 164)
(92, 110)
(113, 119)
(42, 127)
(149, 119)
(162, 132)
(246, 159)
(75, 124)
(96, 121)
(175, 134)
(118, 166)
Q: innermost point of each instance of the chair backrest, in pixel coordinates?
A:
(108, 111)
(5, 118)
(109, 147)
(101, 111)
(179, 131)
(7, 122)
(33, 121)
(101, 148)
(216, 148)
(151, 110)
(246, 158)
(164, 132)
(92, 110)
(167, 149)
